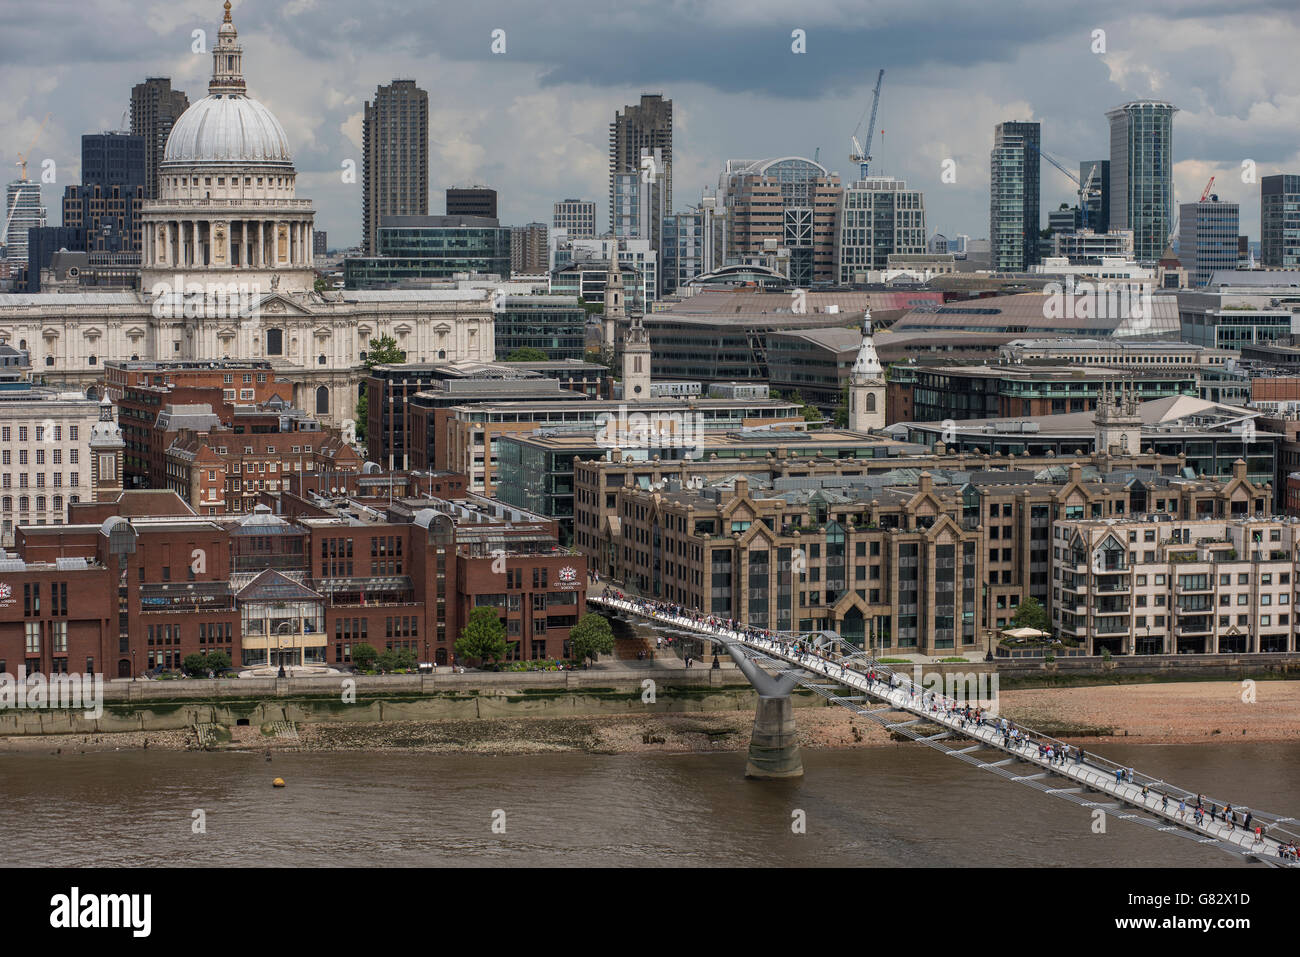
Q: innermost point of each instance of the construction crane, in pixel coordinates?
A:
(1205, 193)
(22, 157)
(862, 155)
(1084, 190)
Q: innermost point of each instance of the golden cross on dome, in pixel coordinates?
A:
(227, 18)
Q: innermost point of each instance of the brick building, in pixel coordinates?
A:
(124, 594)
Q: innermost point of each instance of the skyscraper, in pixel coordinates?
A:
(23, 211)
(1207, 238)
(108, 202)
(155, 108)
(528, 249)
(647, 126)
(1013, 196)
(1279, 218)
(1141, 174)
(395, 158)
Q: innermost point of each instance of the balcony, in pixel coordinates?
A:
(1112, 588)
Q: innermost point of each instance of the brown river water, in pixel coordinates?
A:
(875, 807)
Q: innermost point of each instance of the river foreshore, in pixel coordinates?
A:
(1165, 713)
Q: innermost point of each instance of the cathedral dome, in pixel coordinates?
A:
(227, 128)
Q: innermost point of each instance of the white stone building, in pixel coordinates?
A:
(227, 272)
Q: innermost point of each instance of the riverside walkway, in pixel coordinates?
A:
(1082, 777)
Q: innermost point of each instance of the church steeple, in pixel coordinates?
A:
(615, 305)
(227, 59)
(866, 384)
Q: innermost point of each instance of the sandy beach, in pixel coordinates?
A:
(1183, 713)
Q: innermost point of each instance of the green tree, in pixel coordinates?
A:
(363, 412)
(594, 356)
(1032, 614)
(841, 417)
(591, 636)
(398, 659)
(196, 665)
(527, 354)
(218, 662)
(364, 655)
(483, 638)
(321, 284)
(384, 351)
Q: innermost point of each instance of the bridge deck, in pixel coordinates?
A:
(1086, 771)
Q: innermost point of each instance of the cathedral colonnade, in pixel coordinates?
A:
(254, 243)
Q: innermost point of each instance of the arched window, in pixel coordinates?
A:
(8, 503)
(24, 503)
(362, 356)
(40, 503)
(275, 342)
(322, 401)
(135, 358)
(871, 402)
(92, 360)
(442, 353)
(320, 360)
(49, 360)
(58, 503)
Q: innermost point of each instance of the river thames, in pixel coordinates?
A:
(877, 807)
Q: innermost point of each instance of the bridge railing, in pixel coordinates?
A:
(863, 662)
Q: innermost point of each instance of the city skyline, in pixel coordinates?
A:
(532, 122)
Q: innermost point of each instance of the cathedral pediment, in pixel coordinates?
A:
(135, 332)
(277, 305)
(227, 333)
(322, 332)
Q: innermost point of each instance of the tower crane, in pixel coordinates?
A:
(1084, 190)
(1205, 193)
(862, 155)
(22, 157)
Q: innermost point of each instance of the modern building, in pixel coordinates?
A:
(472, 201)
(23, 212)
(110, 199)
(155, 108)
(647, 125)
(1207, 238)
(577, 217)
(319, 243)
(580, 268)
(879, 218)
(1106, 311)
(1230, 313)
(1141, 174)
(395, 158)
(555, 324)
(43, 243)
(1084, 246)
(411, 249)
(1014, 196)
(683, 250)
(789, 203)
(1279, 216)
(529, 249)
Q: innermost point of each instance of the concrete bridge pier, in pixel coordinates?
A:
(774, 746)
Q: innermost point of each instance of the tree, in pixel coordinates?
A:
(594, 356)
(218, 662)
(363, 413)
(1032, 614)
(399, 659)
(527, 354)
(364, 655)
(591, 636)
(484, 636)
(842, 410)
(384, 351)
(195, 664)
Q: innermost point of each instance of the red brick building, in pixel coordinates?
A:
(123, 594)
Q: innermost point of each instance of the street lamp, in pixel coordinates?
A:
(988, 633)
(135, 675)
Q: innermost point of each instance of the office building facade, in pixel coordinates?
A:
(577, 217)
(880, 217)
(1014, 196)
(1141, 174)
(155, 108)
(529, 249)
(1207, 238)
(472, 201)
(1279, 215)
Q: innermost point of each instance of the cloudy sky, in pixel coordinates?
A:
(533, 122)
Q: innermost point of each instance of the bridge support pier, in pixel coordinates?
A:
(774, 747)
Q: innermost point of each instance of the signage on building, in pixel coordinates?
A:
(568, 577)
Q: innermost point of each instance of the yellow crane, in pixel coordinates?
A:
(22, 157)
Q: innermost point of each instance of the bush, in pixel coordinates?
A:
(363, 656)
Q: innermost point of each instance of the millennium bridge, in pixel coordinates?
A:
(776, 662)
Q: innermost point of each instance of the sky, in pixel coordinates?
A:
(533, 121)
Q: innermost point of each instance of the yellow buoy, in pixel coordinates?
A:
(278, 783)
